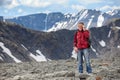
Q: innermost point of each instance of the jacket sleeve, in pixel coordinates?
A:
(87, 34)
(75, 40)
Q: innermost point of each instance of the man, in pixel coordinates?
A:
(81, 45)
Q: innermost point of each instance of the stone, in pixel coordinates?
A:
(83, 76)
(17, 77)
(55, 70)
(98, 78)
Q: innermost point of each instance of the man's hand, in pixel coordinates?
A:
(84, 28)
(76, 49)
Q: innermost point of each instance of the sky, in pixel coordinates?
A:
(14, 8)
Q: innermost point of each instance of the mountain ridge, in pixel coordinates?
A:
(57, 20)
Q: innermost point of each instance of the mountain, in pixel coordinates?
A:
(91, 18)
(19, 44)
(56, 20)
(106, 39)
(40, 21)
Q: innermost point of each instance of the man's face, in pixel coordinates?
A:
(80, 27)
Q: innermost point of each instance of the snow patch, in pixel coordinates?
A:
(7, 51)
(58, 26)
(100, 21)
(1, 58)
(68, 15)
(94, 50)
(90, 21)
(112, 12)
(109, 33)
(38, 57)
(84, 14)
(24, 47)
(102, 43)
(73, 14)
(118, 46)
(117, 27)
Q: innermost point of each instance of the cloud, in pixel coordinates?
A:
(30, 3)
(41, 3)
(47, 12)
(9, 3)
(86, 2)
(13, 4)
(77, 7)
(107, 7)
(35, 3)
(20, 10)
(5, 2)
(60, 1)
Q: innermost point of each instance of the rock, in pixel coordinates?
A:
(118, 70)
(4, 74)
(56, 70)
(82, 76)
(103, 73)
(17, 77)
(91, 78)
(98, 78)
(60, 74)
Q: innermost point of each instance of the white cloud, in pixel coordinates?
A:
(41, 3)
(35, 3)
(107, 7)
(46, 11)
(86, 2)
(77, 7)
(11, 4)
(20, 10)
(60, 1)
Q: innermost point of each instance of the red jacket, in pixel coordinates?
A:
(81, 39)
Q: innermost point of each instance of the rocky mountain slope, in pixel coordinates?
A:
(18, 44)
(107, 38)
